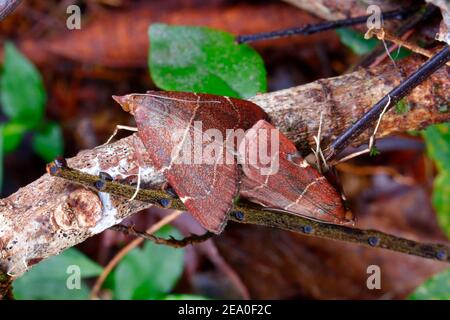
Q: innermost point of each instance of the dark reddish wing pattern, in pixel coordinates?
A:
(166, 123)
(295, 186)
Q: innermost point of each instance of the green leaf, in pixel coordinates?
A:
(22, 92)
(150, 272)
(200, 59)
(441, 200)
(402, 106)
(374, 151)
(184, 297)
(437, 140)
(355, 41)
(401, 54)
(48, 280)
(1, 156)
(12, 134)
(435, 288)
(48, 141)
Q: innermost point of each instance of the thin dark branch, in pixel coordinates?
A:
(250, 213)
(7, 6)
(171, 242)
(395, 95)
(372, 238)
(322, 26)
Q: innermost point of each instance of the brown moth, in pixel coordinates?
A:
(169, 123)
(172, 124)
(289, 182)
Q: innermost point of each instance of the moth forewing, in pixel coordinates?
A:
(207, 188)
(294, 187)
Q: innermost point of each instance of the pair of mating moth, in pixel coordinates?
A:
(208, 190)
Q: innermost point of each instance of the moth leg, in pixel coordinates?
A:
(119, 127)
(318, 152)
(138, 185)
(351, 156)
(371, 138)
(140, 163)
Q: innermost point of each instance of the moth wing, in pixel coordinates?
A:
(290, 185)
(169, 124)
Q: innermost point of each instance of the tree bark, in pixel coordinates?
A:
(337, 9)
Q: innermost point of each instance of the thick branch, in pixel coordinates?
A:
(253, 214)
(171, 242)
(51, 214)
(345, 99)
(337, 9)
(388, 101)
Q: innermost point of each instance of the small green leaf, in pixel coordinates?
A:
(441, 200)
(48, 280)
(402, 106)
(200, 59)
(12, 133)
(374, 151)
(437, 140)
(435, 288)
(150, 272)
(401, 54)
(22, 92)
(355, 41)
(48, 141)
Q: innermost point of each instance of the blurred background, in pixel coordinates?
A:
(81, 69)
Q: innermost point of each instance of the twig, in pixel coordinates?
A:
(7, 6)
(387, 52)
(320, 27)
(371, 139)
(123, 252)
(404, 31)
(172, 242)
(421, 74)
(383, 34)
(253, 214)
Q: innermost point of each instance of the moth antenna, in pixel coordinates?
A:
(351, 156)
(177, 99)
(138, 185)
(119, 127)
(152, 94)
